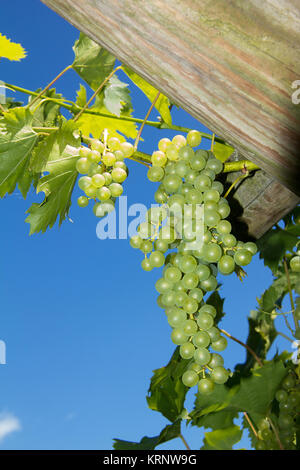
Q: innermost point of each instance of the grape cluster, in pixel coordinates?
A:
(187, 180)
(288, 402)
(104, 168)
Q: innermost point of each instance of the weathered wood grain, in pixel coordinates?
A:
(229, 63)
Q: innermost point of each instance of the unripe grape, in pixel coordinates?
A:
(127, 149)
(163, 144)
(157, 259)
(206, 386)
(82, 201)
(109, 159)
(179, 141)
(118, 175)
(190, 378)
(155, 174)
(82, 165)
(187, 350)
(103, 194)
(193, 138)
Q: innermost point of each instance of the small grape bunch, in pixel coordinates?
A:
(288, 402)
(104, 170)
(169, 238)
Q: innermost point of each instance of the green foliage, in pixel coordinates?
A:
(116, 96)
(171, 431)
(222, 439)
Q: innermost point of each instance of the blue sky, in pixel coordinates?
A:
(78, 315)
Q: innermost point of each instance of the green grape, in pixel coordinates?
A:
(215, 165)
(146, 246)
(206, 386)
(189, 280)
(251, 247)
(176, 317)
(171, 183)
(172, 152)
(242, 257)
(135, 241)
(172, 274)
(285, 421)
(82, 165)
(220, 344)
(195, 367)
(103, 194)
(162, 285)
(147, 266)
(94, 156)
(127, 149)
(119, 155)
(157, 259)
(91, 191)
(113, 143)
(229, 240)
(163, 144)
(98, 210)
(146, 230)
(211, 218)
(168, 298)
(155, 174)
(116, 189)
(109, 159)
(214, 334)
(159, 158)
(188, 264)
(201, 339)
(218, 186)
(161, 245)
(190, 378)
(223, 210)
(207, 308)
(193, 138)
(187, 350)
(205, 321)
(203, 272)
(209, 284)
(197, 162)
(97, 145)
(219, 375)
(212, 252)
(295, 264)
(211, 195)
(167, 234)
(118, 175)
(196, 294)
(216, 361)
(194, 196)
(288, 382)
(281, 395)
(224, 227)
(190, 305)
(180, 298)
(191, 176)
(202, 356)
(108, 206)
(98, 180)
(179, 141)
(186, 153)
(181, 169)
(82, 201)
(202, 182)
(108, 178)
(178, 336)
(226, 265)
(84, 182)
(84, 152)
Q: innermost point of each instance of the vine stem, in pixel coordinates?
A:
(236, 181)
(144, 121)
(96, 92)
(275, 432)
(285, 336)
(184, 442)
(253, 353)
(49, 85)
(250, 424)
(286, 269)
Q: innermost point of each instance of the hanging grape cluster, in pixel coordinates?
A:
(287, 400)
(104, 168)
(187, 180)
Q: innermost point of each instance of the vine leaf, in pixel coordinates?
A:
(222, 151)
(273, 245)
(61, 152)
(92, 63)
(116, 96)
(171, 431)
(11, 50)
(17, 140)
(167, 393)
(81, 96)
(162, 104)
(222, 439)
(46, 112)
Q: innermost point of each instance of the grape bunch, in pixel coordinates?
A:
(288, 402)
(169, 238)
(104, 170)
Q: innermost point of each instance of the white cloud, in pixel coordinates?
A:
(8, 424)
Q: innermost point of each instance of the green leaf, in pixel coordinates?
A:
(17, 140)
(92, 63)
(171, 431)
(216, 300)
(61, 152)
(162, 104)
(273, 246)
(81, 96)
(167, 392)
(46, 112)
(116, 96)
(222, 439)
(222, 151)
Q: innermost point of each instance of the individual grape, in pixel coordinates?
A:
(206, 386)
(196, 294)
(91, 191)
(223, 210)
(220, 344)
(172, 274)
(113, 143)
(229, 240)
(168, 298)
(207, 308)
(181, 169)
(197, 162)
(171, 183)
(172, 152)
(211, 218)
(190, 378)
(209, 284)
(176, 317)
(295, 264)
(119, 156)
(155, 174)
(190, 280)
(219, 375)
(121, 164)
(82, 165)
(179, 141)
(135, 241)
(127, 149)
(82, 201)
(202, 356)
(146, 246)
(146, 265)
(188, 264)
(211, 195)
(203, 272)
(202, 182)
(98, 180)
(157, 259)
(116, 189)
(224, 227)
(242, 257)
(84, 182)
(193, 138)
(178, 336)
(288, 382)
(218, 186)
(212, 252)
(109, 159)
(216, 361)
(187, 350)
(190, 305)
(108, 178)
(161, 245)
(186, 153)
(201, 339)
(215, 165)
(214, 334)
(118, 175)
(146, 230)
(226, 265)
(94, 156)
(251, 247)
(103, 194)
(163, 144)
(180, 298)
(205, 321)
(97, 145)
(190, 176)
(159, 158)
(162, 285)
(84, 152)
